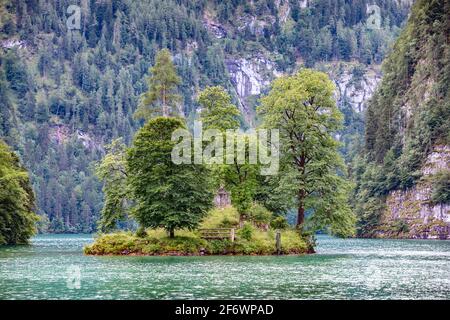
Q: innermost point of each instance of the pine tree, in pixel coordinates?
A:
(161, 96)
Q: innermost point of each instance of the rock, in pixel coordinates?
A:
(13, 43)
(249, 77)
(355, 84)
(413, 206)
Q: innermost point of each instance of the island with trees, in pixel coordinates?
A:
(171, 204)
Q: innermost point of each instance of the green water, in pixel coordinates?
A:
(342, 269)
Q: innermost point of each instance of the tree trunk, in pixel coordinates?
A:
(171, 233)
(300, 215)
(301, 208)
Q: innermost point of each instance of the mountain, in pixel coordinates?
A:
(67, 89)
(403, 177)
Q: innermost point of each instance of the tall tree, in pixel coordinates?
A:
(162, 96)
(112, 171)
(168, 195)
(217, 110)
(303, 109)
(17, 219)
(239, 178)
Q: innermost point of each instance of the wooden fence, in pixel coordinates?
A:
(218, 233)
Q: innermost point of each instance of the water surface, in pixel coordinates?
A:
(342, 269)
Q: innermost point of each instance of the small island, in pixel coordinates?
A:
(166, 181)
(257, 236)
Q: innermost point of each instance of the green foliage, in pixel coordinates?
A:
(303, 109)
(246, 232)
(221, 218)
(64, 94)
(441, 188)
(400, 226)
(141, 233)
(408, 115)
(238, 178)
(112, 171)
(167, 195)
(279, 222)
(162, 85)
(217, 110)
(259, 214)
(17, 219)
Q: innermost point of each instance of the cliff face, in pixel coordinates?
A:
(411, 213)
(404, 188)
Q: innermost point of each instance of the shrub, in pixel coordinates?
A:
(221, 218)
(441, 188)
(259, 214)
(246, 232)
(141, 233)
(219, 246)
(279, 222)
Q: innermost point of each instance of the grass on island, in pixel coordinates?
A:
(250, 240)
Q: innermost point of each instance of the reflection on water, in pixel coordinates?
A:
(53, 267)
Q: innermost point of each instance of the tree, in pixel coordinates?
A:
(303, 109)
(167, 195)
(17, 219)
(217, 110)
(162, 94)
(239, 178)
(112, 171)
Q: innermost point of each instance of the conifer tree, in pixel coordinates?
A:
(161, 97)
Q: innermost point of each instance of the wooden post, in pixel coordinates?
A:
(278, 242)
(232, 235)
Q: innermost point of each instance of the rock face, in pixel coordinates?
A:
(356, 89)
(62, 134)
(249, 77)
(355, 84)
(410, 213)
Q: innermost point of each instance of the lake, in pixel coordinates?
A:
(54, 267)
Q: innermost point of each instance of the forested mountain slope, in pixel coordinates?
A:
(65, 93)
(403, 179)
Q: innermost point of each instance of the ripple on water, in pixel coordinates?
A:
(342, 269)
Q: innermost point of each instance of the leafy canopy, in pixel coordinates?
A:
(167, 195)
(112, 171)
(17, 219)
(303, 109)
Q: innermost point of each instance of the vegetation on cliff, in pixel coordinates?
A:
(409, 116)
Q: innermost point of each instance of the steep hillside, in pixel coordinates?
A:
(404, 176)
(65, 93)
